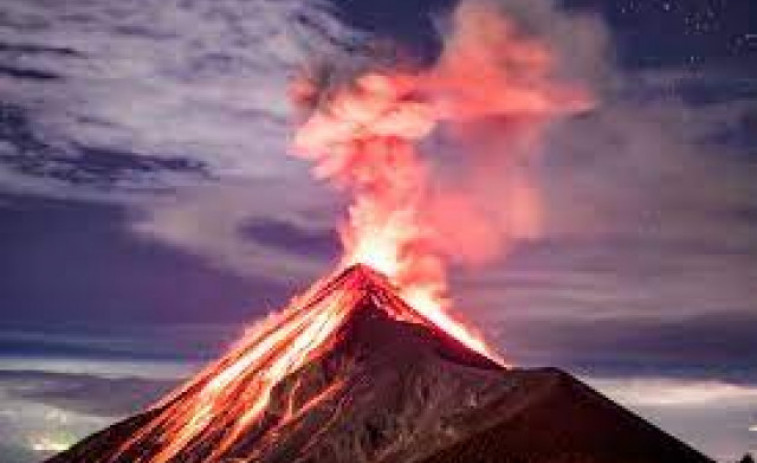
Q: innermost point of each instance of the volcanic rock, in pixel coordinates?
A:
(389, 387)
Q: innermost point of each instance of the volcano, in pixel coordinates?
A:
(351, 373)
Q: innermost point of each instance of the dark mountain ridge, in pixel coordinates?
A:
(386, 390)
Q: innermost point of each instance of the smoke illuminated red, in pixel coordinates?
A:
(363, 138)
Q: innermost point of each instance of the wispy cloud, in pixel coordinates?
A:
(666, 392)
(713, 415)
(199, 80)
(84, 394)
(48, 405)
(177, 109)
(151, 92)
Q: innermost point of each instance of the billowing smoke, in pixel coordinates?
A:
(493, 90)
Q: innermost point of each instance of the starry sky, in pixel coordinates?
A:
(149, 210)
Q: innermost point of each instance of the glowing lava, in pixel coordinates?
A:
(228, 399)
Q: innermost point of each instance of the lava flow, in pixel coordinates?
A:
(350, 373)
(228, 399)
(363, 137)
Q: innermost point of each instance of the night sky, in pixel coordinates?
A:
(149, 212)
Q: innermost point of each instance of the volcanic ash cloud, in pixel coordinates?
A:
(494, 90)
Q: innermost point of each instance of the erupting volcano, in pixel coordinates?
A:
(370, 364)
(350, 373)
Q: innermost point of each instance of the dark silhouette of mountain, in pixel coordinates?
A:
(387, 386)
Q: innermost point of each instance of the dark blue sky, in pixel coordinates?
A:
(148, 210)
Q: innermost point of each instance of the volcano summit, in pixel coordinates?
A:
(351, 373)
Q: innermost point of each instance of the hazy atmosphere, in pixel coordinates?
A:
(150, 209)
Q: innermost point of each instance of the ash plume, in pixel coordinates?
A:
(493, 91)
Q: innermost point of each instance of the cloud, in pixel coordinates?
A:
(223, 224)
(621, 276)
(713, 416)
(581, 40)
(291, 239)
(94, 270)
(176, 109)
(32, 74)
(23, 152)
(177, 83)
(53, 403)
(653, 165)
(84, 394)
(102, 367)
(186, 342)
(666, 392)
(710, 346)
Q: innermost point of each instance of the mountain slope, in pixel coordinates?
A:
(381, 384)
(567, 422)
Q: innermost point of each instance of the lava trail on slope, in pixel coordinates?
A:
(351, 373)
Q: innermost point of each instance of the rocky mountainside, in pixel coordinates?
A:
(385, 386)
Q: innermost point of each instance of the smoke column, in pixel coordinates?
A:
(493, 87)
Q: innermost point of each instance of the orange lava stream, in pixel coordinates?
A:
(229, 398)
